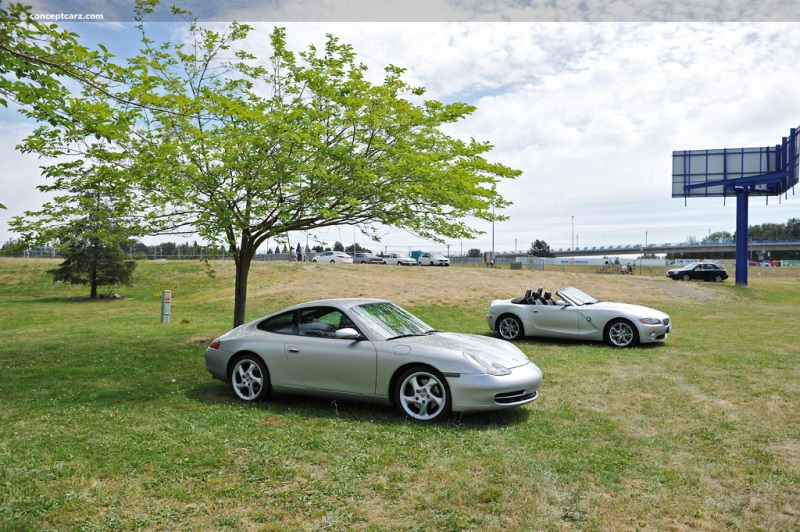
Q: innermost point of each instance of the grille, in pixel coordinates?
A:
(509, 398)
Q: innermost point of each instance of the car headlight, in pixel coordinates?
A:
(650, 321)
(491, 368)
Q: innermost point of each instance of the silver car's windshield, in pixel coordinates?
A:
(387, 320)
(576, 297)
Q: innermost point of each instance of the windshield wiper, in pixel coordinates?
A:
(432, 331)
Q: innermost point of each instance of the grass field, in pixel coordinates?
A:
(109, 419)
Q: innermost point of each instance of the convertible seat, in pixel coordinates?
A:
(538, 297)
(523, 300)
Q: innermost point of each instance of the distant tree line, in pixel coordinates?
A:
(767, 232)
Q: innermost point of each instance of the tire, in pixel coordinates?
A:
(422, 394)
(621, 333)
(509, 327)
(250, 378)
(685, 277)
(718, 279)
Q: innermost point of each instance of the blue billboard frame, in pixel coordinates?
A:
(740, 172)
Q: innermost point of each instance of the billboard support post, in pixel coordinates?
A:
(742, 259)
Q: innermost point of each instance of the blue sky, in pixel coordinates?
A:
(590, 111)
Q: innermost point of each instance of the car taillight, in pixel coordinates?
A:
(215, 344)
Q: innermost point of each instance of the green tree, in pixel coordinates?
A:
(36, 57)
(240, 150)
(718, 237)
(89, 261)
(91, 247)
(540, 248)
(474, 252)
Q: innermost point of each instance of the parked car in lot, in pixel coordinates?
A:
(703, 271)
(367, 258)
(576, 315)
(433, 258)
(333, 257)
(399, 259)
(372, 350)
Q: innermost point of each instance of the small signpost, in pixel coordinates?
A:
(166, 299)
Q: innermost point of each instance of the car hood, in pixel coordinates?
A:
(495, 350)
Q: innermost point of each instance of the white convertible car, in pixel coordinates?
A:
(577, 315)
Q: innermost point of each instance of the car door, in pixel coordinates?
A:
(323, 362)
(552, 320)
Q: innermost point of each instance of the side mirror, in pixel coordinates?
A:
(347, 333)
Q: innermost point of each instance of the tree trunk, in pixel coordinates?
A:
(93, 271)
(243, 259)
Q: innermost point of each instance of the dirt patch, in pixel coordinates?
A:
(456, 285)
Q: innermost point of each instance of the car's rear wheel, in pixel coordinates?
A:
(685, 277)
(621, 333)
(250, 378)
(509, 327)
(422, 394)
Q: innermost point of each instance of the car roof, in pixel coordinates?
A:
(345, 302)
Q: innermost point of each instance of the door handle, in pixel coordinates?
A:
(294, 349)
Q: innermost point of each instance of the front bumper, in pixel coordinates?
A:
(654, 333)
(479, 392)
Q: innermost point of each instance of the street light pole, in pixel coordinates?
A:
(573, 235)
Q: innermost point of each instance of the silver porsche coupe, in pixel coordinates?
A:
(576, 315)
(372, 350)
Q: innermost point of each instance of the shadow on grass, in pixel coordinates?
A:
(534, 341)
(65, 299)
(218, 394)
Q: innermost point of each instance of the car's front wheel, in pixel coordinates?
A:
(718, 278)
(621, 333)
(250, 378)
(685, 277)
(422, 394)
(510, 327)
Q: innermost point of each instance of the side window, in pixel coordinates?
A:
(322, 322)
(280, 324)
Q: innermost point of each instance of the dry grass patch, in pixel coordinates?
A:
(456, 285)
